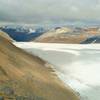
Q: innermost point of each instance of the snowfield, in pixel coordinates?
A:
(76, 65)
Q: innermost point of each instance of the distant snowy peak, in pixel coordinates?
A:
(32, 30)
(23, 33)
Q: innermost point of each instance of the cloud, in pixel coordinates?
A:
(40, 11)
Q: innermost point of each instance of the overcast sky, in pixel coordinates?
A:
(47, 11)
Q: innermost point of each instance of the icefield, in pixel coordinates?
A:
(77, 65)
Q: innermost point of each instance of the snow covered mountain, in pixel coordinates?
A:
(23, 34)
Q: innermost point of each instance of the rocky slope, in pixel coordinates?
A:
(71, 35)
(62, 35)
(27, 77)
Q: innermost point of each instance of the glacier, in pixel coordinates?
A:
(77, 65)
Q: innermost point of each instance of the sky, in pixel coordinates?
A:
(48, 11)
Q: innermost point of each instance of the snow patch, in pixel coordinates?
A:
(76, 65)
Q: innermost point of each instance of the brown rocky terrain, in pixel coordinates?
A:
(27, 77)
(62, 35)
(64, 39)
(67, 35)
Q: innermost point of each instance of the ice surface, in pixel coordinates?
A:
(76, 65)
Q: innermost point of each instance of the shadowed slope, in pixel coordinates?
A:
(5, 35)
(92, 39)
(26, 76)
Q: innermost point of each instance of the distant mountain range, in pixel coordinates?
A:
(22, 34)
(72, 35)
(65, 34)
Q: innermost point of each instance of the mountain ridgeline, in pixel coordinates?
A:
(20, 34)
